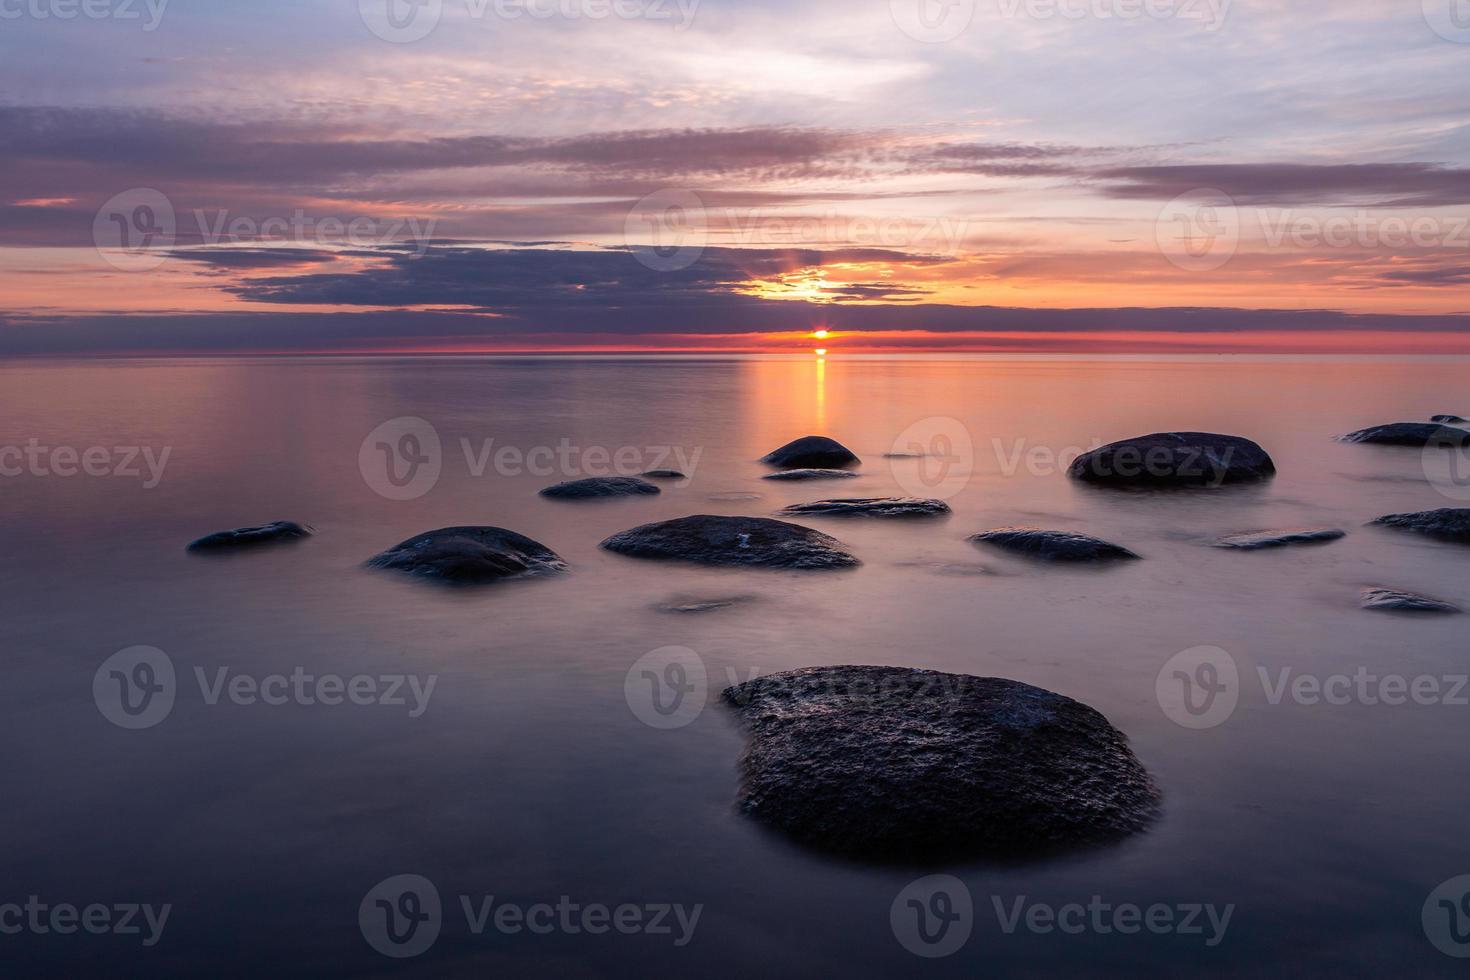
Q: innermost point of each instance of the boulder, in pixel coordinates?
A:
(871, 507)
(1448, 419)
(1409, 434)
(1164, 459)
(1035, 542)
(1395, 600)
(469, 555)
(893, 763)
(752, 541)
(1446, 523)
(599, 486)
(811, 452)
(250, 537)
(1256, 540)
(665, 475)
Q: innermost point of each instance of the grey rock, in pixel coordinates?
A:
(1035, 542)
(599, 486)
(250, 537)
(469, 555)
(665, 475)
(889, 763)
(871, 507)
(1395, 600)
(740, 541)
(810, 474)
(1448, 419)
(1446, 523)
(1409, 434)
(817, 452)
(1194, 459)
(696, 604)
(1256, 540)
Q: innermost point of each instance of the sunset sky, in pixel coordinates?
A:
(480, 175)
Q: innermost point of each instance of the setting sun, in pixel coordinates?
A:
(820, 334)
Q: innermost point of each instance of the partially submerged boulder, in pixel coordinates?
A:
(1415, 434)
(1035, 542)
(1448, 419)
(599, 486)
(1256, 540)
(894, 763)
(1446, 523)
(251, 537)
(1163, 459)
(469, 555)
(872, 507)
(665, 475)
(1396, 600)
(715, 540)
(808, 452)
(811, 474)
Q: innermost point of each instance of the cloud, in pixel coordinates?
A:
(1298, 184)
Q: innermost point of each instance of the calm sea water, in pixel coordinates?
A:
(529, 775)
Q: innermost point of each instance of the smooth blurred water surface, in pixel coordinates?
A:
(529, 777)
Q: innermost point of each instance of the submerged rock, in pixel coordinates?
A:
(811, 474)
(249, 537)
(712, 540)
(1448, 419)
(1196, 459)
(1394, 600)
(1446, 523)
(1034, 542)
(1409, 434)
(811, 452)
(665, 475)
(872, 507)
(695, 604)
(1255, 540)
(599, 486)
(469, 554)
(896, 763)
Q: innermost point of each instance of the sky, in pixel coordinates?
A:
(202, 176)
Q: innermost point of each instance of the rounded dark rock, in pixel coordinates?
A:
(811, 452)
(1446, 523)
(1257, 540)
(665, 475)
(469, 554)
(750, 541)
(871, 507)
(1195, 459)
(1396, 600)
(1035, 542)
(1409, 434)
(889, 763)
(275, 532)
(599, 486)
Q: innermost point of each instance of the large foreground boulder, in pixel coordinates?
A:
(1258, 540)
(469, 555)
(811, 452)
(872, 507)
(713, 540)
(1163, 459)
(894, 763)
(1410, 434)
(1035, 542)
(599, 486)
(1446, 523)
(251, 537)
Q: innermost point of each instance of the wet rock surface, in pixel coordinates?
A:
(1396, 600)
(1257, 540)
(740, 541)
(811, 452)
(1409, 434)
(890, 763)
(469, 555)
(1448, 419)
(1446, 523)
(1194, 459)
(599, 486)
(276, 532)
(1035, 542)
(871, 507)
(811, 474)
